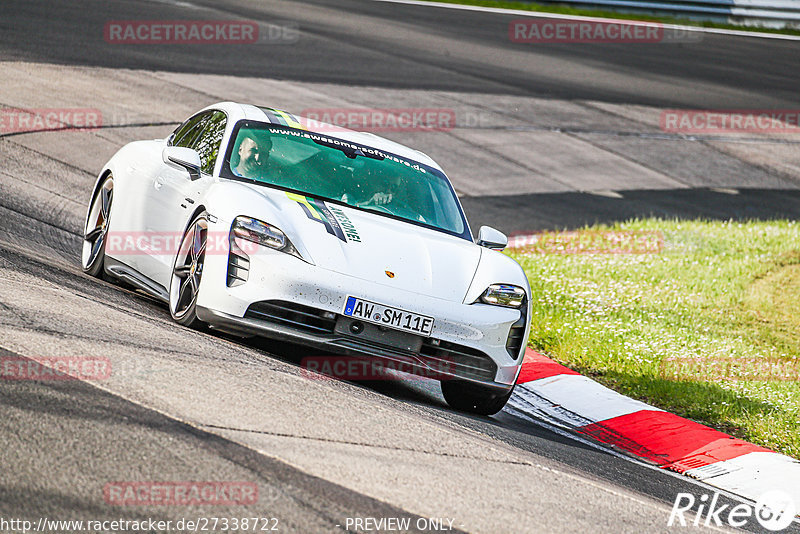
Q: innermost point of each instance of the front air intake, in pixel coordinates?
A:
(516, 335)
(457, 360)
(238, 265)
(293, 315)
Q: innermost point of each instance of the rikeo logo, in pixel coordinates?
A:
(775, 510)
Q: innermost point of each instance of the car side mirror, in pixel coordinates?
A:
(184, 158)
(492, 239)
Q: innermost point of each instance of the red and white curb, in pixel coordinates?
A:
(547, 390)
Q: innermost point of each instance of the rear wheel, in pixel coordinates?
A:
(472, 398)
(96, 229)
(187, 272)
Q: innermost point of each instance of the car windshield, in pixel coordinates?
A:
(346, 172)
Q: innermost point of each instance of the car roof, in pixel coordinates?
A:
(237, 112)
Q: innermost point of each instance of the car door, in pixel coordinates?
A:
(175, 194)
(136, 220)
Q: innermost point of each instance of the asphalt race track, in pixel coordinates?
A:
(547, 136)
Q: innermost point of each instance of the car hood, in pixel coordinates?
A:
(377, 248)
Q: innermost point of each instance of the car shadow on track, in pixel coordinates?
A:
(425, 395)
(395, 385)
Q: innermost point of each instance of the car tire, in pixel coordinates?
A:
(187, 271)
(472, 398)
(95, 231)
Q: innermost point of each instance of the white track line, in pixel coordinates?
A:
(543, 15)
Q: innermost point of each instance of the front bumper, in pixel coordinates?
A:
(468, 331)
(406, 361)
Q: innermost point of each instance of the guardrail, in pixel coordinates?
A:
(766, 13)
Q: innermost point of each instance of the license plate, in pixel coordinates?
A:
(387, 316)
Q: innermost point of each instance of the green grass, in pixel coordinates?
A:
(569, 10)
(724, 296)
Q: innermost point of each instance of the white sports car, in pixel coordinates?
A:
(254, 221)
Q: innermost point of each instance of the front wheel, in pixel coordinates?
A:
(96, 228)
(472, 398)
(187, 272)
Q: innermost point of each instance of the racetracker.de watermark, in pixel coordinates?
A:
(729, 369)
(181, 493)
(123, 243)
(699, 121)
(354, 368)
(198, 32)
(379, 120)
(144, 524)
(45, 119)
(55, 368)
(590, 242)
(544, 31)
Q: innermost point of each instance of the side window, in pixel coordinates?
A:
(187, 131)
(208, 142)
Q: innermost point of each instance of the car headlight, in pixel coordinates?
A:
(504, 295)
(262, 233)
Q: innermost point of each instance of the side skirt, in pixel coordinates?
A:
(119, 270)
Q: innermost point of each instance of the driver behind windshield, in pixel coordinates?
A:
(253, 157)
